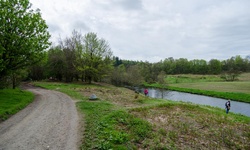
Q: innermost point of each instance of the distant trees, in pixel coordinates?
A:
(150, 72)
(23, 38)
(80, 57)
(214, 66)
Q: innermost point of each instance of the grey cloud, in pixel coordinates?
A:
(80, 25)
(131, 4)
(54, 28)
(124, 4)
(232, 35)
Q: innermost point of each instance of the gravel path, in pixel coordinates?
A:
(50, 122)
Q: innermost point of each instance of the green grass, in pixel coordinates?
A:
(69, 89)
(107, 128)
(188, 78)
(236, 87)
(191, 78)
(121, 119)
(12, 101)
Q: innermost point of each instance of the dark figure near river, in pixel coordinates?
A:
(228, 105)
(146, 92)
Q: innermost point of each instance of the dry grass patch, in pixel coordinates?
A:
(185, 127)
(119, 96)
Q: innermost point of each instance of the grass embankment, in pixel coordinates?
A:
(12, 101)
(121, 119)
(210, 85)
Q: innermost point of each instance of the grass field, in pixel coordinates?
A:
(12, 101)
(123, 119)
(237, 87)
(191, 78)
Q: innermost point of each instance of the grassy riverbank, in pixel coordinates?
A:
(210, 85)
(12, 101)
(122, 119)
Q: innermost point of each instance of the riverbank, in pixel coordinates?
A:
(123, 119)
(241, 97)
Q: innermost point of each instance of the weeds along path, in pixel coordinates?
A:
(50, 122)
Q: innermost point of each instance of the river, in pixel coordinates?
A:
(236, 107)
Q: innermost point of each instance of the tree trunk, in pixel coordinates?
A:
(13, 81)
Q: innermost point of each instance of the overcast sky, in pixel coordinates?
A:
(152, 30)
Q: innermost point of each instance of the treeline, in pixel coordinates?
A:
(152, 72)
(67, 63)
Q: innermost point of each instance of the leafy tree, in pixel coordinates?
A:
(69, 48)
(119, 75)
(38, 71)
(247, 63)
(96, 56)
(134, 77)
(232, 68)
(56, 63)
(182, 66)
(23, 36)
(214, 66)
(169, 65)
(240, 64)
(161, 80)
(117, 61)
(145, 69)
(156, 69)
(199, 66)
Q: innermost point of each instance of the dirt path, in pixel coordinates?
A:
(50, 122)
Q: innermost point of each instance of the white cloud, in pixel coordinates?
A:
(155, 30)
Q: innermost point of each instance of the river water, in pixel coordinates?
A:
(236, 107)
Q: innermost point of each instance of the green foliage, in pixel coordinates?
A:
(190, 78)
(12, 101)
(68, 89)
(23, 37)
(56, 63)
(214, 66)
(38, 71)
(109, 129)
(133, 76)
(118, 76)
(150, 71)
(95, 55)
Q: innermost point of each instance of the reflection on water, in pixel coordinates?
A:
(236, 107)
